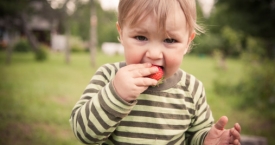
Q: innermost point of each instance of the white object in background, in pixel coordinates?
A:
(112, 48)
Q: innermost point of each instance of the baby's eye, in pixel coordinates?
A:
(141, 38)
(170, 40)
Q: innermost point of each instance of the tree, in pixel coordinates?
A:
(93, 33)
(255, 21)
(106, 19)
(16, 15)
(253, 18)
(12, 11)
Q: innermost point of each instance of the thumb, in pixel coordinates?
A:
(220, 124)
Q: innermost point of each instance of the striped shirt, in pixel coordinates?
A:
(175, 112)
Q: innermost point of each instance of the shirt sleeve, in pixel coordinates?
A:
(99, 110)
(202, 120)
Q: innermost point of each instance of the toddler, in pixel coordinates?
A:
(122, 105)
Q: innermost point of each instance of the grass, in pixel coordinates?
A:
(36, 98)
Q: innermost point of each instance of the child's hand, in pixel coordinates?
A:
(130, 80)
(220, 136)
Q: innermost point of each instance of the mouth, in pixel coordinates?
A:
(159, 76)
(162, 67)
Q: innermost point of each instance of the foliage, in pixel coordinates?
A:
(258, 86)
(220, 35)
(226, 39)
(107, 32)
(257, 17)
(12, 7)
(106, 24)
(42, 53)
(246, 33)
(22, 45)
(248, 19)
(206, 43)
(76, 44)
(231, 41)
(15, 16)
(255, 90)
(258, 89)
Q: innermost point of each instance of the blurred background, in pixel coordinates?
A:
(49, 50)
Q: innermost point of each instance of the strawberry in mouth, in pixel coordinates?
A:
(158, 75)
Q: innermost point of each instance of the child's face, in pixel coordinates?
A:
(145, 43)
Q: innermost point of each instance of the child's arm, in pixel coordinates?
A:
(218, 135)
(202, 119)
(100, 109)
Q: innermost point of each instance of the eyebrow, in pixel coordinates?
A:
(169, 33)
(173, 34)
(141, 31)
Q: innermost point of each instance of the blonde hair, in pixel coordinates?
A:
(133, 11)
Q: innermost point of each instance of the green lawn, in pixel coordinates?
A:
(36, 98)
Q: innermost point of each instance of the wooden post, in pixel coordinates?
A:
(68, 47)
(93, 33)
(31, 38)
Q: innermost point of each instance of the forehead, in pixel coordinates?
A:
(163, 11)
(173, 20)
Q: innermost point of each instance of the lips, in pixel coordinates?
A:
(158, 66)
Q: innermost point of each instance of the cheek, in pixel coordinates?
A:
(132, 56)
(133, 52)
(174, 62)
(128, 52)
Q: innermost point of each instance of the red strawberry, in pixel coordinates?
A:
(158, 75)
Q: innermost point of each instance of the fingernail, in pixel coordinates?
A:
(148, 64)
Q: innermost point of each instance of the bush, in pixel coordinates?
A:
(76, 44)
(206, 44)
(258, 89)
(42, 53)
(22, 46)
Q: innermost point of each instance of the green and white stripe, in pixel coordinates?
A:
(175, 112)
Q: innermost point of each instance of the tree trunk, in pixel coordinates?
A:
(31, 38)
(9, 54)
(10, 47)
(93, 34)
(219, 56)
(67, 49)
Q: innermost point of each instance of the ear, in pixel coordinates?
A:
(190, 39)
(119, 31)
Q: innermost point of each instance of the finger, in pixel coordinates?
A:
(220, 124)
(145, 82)
(231, 140)
(238, 127)
(144, 72)
(236, 142)
(131, 67)
(235, 134)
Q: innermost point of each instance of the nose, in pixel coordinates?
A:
(154, 53)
